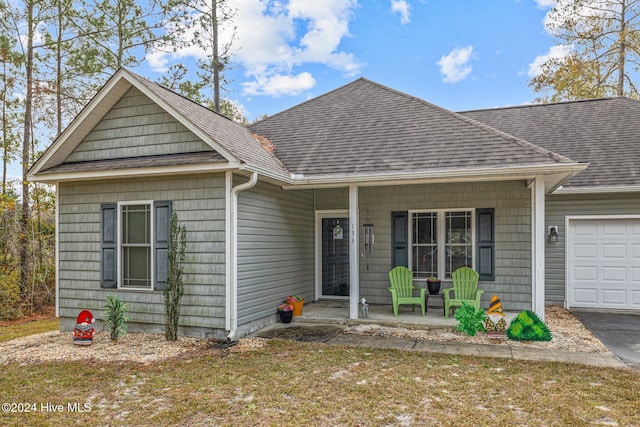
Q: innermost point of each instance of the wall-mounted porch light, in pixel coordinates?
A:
(552, 232)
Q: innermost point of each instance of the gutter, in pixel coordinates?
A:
(231, 265)
(450, 175)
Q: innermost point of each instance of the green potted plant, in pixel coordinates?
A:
(433, 284)
(285, 311)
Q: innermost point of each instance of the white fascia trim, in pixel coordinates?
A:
(129, 173)
(265, 173)
(452, 175)
(596, 190)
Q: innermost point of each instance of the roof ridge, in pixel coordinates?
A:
(549, 104)
(315, 98)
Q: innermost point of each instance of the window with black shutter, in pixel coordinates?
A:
(134, 245)
(485, 224)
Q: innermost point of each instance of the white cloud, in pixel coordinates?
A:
(273, 37)
(455, 66)
(402, 8)
(544, 4)
(280, 85)
(557, 52)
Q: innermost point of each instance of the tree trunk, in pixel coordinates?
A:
(622, 42)
(59, 70)
(26, 144)
(216, 56)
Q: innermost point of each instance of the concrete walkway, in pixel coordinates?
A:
(332, 334)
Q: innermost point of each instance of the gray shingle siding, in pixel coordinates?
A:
(199, 202)
(510, 199)
(136, 127)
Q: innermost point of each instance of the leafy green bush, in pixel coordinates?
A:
(10, 296)
(527, 326)
(175, 287)
(469, 320)
(115, 319)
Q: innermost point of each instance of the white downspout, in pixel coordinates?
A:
(231, 265)
(57, 255)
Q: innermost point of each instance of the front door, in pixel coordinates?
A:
(334, 263)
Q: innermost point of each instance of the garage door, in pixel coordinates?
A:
(603, 263)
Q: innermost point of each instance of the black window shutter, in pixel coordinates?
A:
(162, 220)
(399, 239)
(485, 223)
(108, 245)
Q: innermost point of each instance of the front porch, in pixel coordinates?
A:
(337, 312)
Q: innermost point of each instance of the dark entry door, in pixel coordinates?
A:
(335, 257)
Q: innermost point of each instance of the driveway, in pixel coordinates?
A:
(619, 332)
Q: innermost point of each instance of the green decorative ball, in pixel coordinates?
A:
(527, 326)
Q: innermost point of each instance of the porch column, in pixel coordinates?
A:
(354, 253)
(538, 246)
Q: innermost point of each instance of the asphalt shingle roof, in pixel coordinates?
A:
(230, 135)
(365, 127)
(602, 132)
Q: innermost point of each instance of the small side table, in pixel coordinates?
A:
(438, 296)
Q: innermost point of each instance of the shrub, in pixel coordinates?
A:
(115, 319)
(527, 326)
(175, 287)
(469, 320)
(10, 296)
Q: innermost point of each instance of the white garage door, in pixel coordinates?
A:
(603, 263)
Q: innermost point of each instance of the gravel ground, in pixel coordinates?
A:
(568, 335)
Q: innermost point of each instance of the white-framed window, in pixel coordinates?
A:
(135, 244)
(441, 241)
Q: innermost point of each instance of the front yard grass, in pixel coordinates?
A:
(28, 326)
(290, 383)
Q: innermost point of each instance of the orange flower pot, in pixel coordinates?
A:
(297, 308)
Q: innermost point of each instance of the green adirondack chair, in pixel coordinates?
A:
(465, 288)
(402, 289)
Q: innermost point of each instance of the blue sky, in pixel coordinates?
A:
(464, 54)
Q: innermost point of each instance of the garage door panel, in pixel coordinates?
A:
(615, 252)
(617, 275)
(614, 229)
(635, 298)
(586, 252)
(603, 263)
(585, 273)
(584, 230)
(585, 297)
(614, 297)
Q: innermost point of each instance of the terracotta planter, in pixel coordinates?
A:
(297, 308)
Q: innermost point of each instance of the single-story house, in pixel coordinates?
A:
(324, 198)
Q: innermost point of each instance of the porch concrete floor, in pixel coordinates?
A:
(337, 312)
